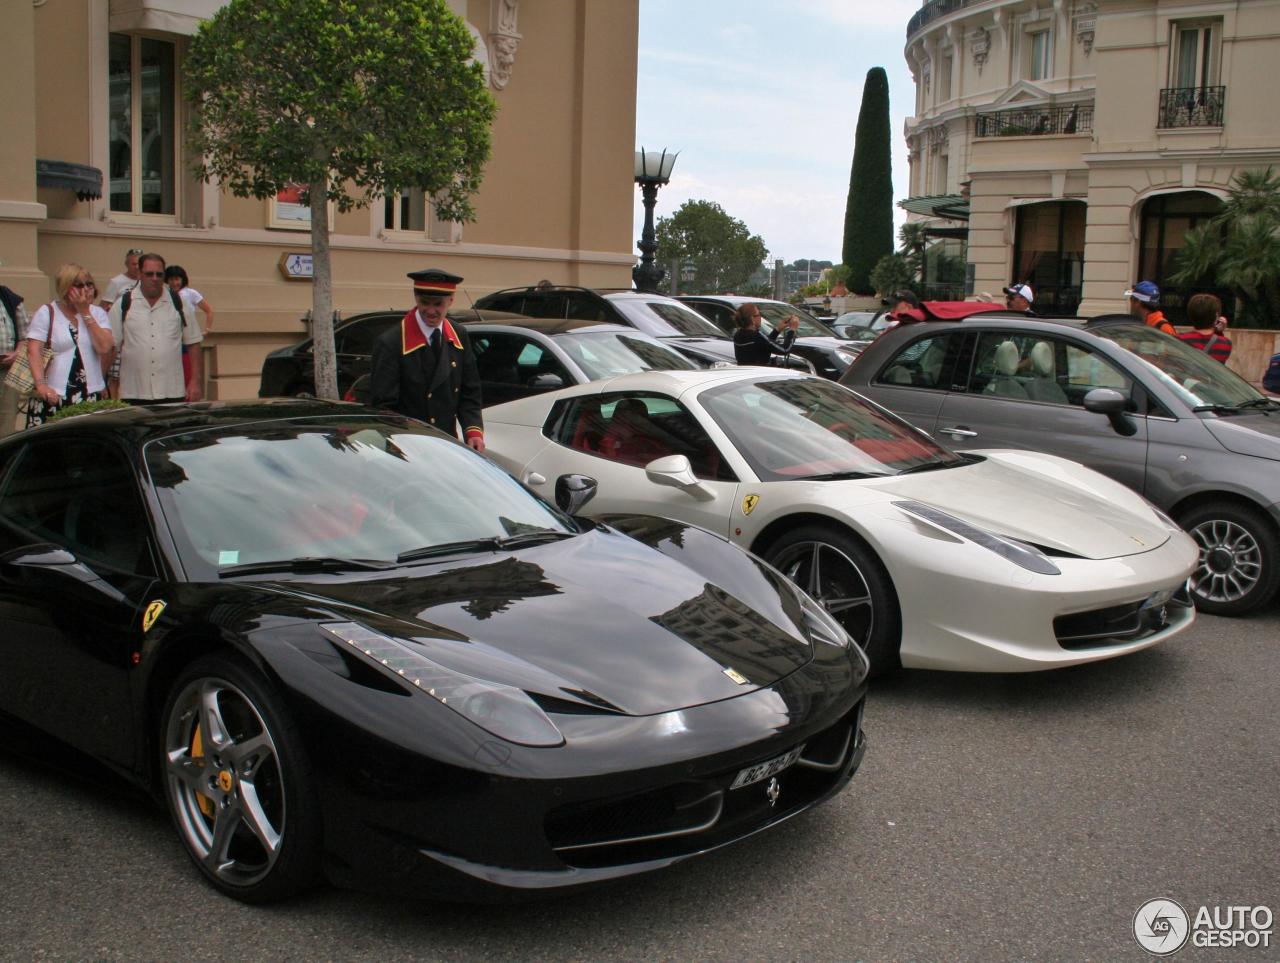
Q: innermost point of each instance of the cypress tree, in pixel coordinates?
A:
(868, 214)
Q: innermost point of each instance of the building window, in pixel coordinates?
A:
(143, 144)
(1038, 51)
(1197, 46)
(1166, 221)
(944, 78)
(1048, 252)
(412, 211)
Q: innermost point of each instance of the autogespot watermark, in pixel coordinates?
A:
(1162, 926)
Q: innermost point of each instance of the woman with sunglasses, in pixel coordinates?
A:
(79, 334)
(751, 346)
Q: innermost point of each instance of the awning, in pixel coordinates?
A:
(954, 207)
(86, 181)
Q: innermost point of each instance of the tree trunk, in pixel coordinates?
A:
(326, 359)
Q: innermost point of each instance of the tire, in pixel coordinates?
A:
(243, 802)
(839, 571)
(1239, 567)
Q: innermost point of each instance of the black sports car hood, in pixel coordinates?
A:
(601, 618)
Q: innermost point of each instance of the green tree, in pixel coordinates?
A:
(912, 243)
(723, 251)
(348, 99)
(868, 214)
(1240, 249)
(893, 271)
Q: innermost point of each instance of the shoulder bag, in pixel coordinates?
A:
(20, 378)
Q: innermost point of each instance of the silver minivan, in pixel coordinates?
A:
(1195, 438)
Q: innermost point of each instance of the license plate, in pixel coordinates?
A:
(764, 770)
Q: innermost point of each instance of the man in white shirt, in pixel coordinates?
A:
(123, 282)
(149, 340)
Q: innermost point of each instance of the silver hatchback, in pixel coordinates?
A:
(1196, 439)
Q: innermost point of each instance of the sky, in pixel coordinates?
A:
(761, 99)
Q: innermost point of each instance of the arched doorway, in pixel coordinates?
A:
(1166, 220)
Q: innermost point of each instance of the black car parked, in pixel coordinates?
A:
(829, 354)
(655, 314)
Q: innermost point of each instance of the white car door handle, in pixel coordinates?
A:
(533, 478)
(958, 432)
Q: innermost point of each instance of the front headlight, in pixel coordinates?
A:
(1020, 553)
(503, 710)
(846, 357)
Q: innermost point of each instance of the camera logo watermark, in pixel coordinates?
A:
(1161, 926)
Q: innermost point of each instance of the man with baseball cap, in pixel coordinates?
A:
(1018, 297)
(424, 367)
(1144, 303)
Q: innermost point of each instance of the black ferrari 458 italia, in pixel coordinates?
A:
(339, 644)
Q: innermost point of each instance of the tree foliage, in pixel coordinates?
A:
(723, 251)
(349, 99)
(868, 216)
(893, 271)
(1240, 249)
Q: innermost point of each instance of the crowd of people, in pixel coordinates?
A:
(134, 341)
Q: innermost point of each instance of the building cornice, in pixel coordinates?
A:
(1145, 158)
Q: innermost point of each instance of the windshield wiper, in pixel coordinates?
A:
(305, 563)
(845, 475)
(1260, 403)
(532, 538)
(1219, 409)
(931, 466)
(493, 543)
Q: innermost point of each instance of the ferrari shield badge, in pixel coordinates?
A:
(749, 504)
(151, 614)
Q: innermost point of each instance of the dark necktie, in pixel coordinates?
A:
(435, 341)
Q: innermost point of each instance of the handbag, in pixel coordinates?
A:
(20, 378)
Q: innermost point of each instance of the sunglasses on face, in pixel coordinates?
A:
(153, 274)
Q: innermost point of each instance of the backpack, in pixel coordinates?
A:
(1271, 377)
(127, 297)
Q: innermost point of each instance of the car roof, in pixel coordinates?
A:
(145, 422)
(547, 326)
(678, 381)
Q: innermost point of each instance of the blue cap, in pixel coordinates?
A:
(1144, 291)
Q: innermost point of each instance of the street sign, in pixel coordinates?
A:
(296, 266)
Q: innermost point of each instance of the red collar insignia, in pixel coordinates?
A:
(412, 338)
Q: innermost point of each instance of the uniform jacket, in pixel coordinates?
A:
(408, 377)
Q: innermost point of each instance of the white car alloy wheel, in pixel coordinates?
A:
(850, 583)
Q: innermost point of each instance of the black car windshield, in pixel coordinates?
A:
(773, 313)
(354, 489)
(790, 428)
(666, 319)
(1196, 378)
(606, 354)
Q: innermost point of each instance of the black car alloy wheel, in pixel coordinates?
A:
(237, 783)
(1239, 566)
(846, 578)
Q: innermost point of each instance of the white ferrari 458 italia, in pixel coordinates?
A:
(986, 561)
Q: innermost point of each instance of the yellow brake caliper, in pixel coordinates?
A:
(197, 752)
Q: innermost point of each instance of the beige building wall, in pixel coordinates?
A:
(556, 200)
(1113, 56)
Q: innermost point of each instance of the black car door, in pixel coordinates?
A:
(354, 346)
(77, 569)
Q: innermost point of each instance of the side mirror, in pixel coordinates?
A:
(574, 491)
(1109, 402)
(547, 381)
(675, 471)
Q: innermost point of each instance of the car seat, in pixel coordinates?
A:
(630, 436)
(1004, 383)
(1043, 386)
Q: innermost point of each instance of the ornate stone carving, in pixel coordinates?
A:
(980, 44)
(504, 40)
(1086, 22)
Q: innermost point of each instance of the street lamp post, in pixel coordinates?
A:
(653, 169)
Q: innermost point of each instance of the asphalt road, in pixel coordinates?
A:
(995, 818)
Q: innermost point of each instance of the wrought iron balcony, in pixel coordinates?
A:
(932, 10)
(1020, 121)
(1191, 107)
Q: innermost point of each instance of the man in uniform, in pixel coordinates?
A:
(425, 368)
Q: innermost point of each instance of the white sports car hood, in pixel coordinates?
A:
(1040, 499)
